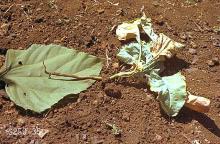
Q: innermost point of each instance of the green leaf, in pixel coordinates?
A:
(129, 53)
(31, 88)
(171, 90)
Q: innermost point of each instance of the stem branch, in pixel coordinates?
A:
(71, 75)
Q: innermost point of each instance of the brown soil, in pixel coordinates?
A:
(87, 26)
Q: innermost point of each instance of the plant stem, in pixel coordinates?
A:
(71, 75)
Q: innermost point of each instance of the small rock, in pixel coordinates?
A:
(39, 19)
(126, 116)
(42, 133)
(57, 41)
(189, 35)
(84, 137)
(112, 90)
(193, 45)
(196, 142)
(100, 96)
(183, 36)
(98, 130)
(215, 60)
(210, 63)
(158, 138)
(4, 29)
(21, 122)
(100, 11)
(160, 20)
(38, 9)
(46, 40)
(192, 51)
(59, 22)
(115, 65)
(217, 44)
(95, 103)
(156, 3)
(195, 59)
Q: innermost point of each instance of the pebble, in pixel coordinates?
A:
(112, 90)
(20, 122)
(38, 9)
(100, 11)
(115, 65)
(217, 44)
(126, 116)
(189, 35)
(39, 19)
(158, 137)
(195, 59)
(4, 29)
(213, 62)
(183, 36)
(59, 22)
(210, 63)
(192, 51)
(42, 133)
(98, 130)
(84, 137)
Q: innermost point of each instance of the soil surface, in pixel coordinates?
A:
(89, 26)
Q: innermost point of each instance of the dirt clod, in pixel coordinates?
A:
(215, 60)
(112, 90)
(192, 51)
(126, 116)
(39, 19)
(210, 63)
(100, 11)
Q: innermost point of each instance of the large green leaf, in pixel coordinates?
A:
(31, 88)
(171, 90)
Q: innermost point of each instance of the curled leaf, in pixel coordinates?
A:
(127, 31)
(165, 47)
(171, 90)
(132, 29)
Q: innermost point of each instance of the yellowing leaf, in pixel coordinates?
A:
(165, 47)
(127, 31)
(132, 29)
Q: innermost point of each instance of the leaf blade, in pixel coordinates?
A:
(31, 88)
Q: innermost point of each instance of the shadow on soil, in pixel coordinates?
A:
(64, 102)
(186, 116)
